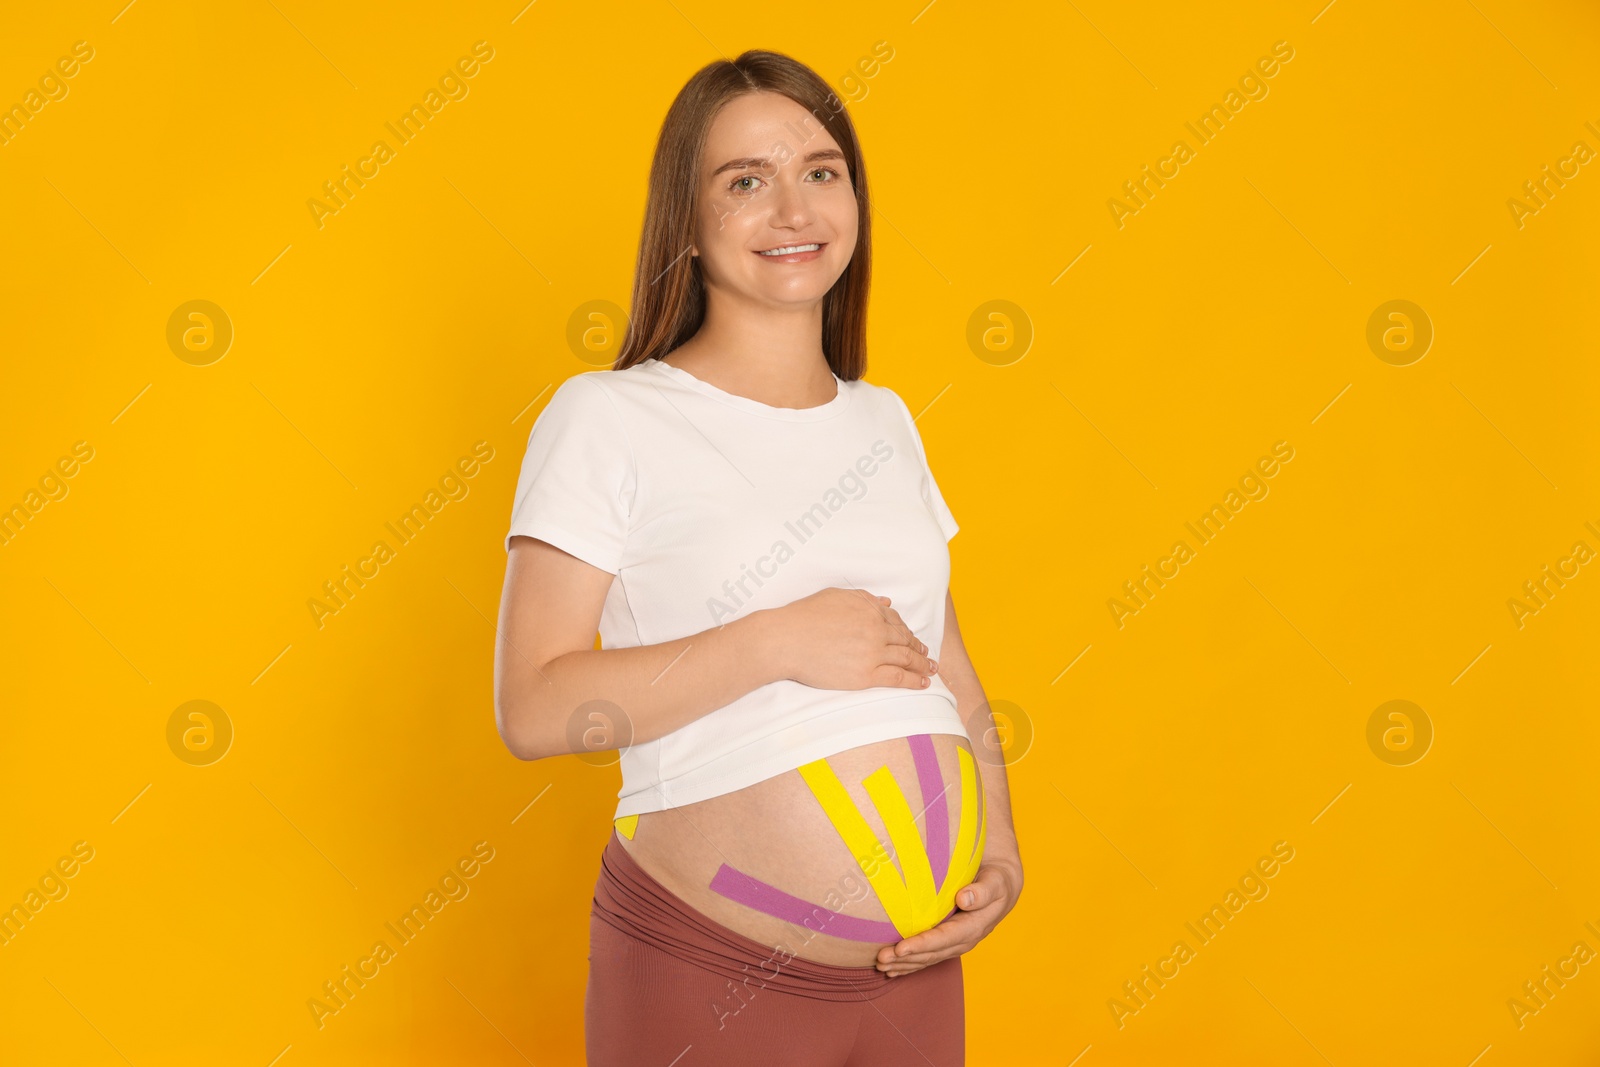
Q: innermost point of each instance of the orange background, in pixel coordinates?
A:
(434, 311)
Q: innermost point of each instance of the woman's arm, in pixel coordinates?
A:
(546, 667)
(998, 884)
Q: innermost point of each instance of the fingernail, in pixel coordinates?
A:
(924, 680)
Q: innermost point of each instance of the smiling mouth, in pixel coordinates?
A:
(789, 250)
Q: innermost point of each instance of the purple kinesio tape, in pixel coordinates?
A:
(754, 893)
(938, 826)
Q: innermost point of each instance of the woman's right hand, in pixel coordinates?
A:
(848, 639)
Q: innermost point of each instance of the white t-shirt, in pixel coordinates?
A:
(708, 506)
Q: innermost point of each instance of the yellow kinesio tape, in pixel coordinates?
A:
(627, 825)
(897, 818)
(911, 901)
(955, 879)
(862, 842)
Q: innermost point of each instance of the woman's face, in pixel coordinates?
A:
(772, 177)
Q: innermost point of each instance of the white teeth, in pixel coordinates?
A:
(789, 250)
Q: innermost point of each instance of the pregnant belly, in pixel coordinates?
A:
(835, 860)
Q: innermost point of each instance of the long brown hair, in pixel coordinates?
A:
(669, 295)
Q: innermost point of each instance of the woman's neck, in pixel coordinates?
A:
(780, 364)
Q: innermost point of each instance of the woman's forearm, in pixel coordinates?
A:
(1000, 836)
(644, 692)
(1000, 844)
(1000, 841)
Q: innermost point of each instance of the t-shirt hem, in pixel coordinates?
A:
(607, 560)
(665, 796)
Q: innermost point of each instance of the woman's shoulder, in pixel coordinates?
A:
(886, 399)
(601, 395)
(613, 382)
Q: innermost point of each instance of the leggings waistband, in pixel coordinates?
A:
(629, 899)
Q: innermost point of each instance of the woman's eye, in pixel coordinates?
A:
(739, 185)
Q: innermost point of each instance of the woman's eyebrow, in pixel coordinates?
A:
(763, 164)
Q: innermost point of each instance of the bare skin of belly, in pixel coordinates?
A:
(776, 831)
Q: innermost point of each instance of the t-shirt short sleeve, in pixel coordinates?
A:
(930, 486)
(578, 476)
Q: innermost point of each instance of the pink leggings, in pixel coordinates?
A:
(670, 986)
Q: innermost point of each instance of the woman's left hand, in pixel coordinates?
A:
(981, 906)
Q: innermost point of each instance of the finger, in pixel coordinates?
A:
(959, 933)
(924, 958)
(889, 956)
(948, 933)
(901, 635)
(917, 963)
(901, 624)
(989, 886)
(907, 656)
(898, 631)
(899, 677)
(902, 649)
(902, 972)
(907, 965)
(911, 962)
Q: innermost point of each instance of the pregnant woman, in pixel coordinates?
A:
(814, 821)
